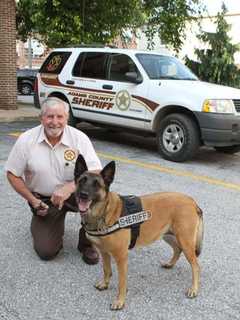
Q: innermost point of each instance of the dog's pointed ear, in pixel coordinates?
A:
(108, 173)
(80, 167)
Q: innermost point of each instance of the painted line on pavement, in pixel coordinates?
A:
(187, 174)
(209, 180)
(14, 134)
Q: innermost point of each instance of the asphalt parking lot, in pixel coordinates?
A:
(64, 288)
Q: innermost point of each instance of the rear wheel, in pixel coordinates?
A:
(26, 89)
(228, 149)
(72, 121)
(178, 138)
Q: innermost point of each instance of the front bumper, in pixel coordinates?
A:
(219, 129)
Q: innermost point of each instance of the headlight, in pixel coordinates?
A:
(218, 106)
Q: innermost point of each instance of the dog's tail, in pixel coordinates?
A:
(199, 232)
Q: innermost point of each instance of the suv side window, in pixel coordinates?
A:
(119, 65)
(55, 62)
(91, 65)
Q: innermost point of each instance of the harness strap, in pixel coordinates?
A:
(132, 204)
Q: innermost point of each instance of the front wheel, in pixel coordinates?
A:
(228, 149)
(178, 138)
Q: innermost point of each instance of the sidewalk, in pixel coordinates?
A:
(25, 112)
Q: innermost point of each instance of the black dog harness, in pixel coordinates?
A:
(132, 217)
(131, 205)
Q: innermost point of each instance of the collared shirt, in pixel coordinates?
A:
(45, 167)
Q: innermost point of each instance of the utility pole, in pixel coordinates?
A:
(30, 52)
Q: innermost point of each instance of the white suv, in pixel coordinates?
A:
(146, 91)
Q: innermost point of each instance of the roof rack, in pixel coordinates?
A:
(91, 45)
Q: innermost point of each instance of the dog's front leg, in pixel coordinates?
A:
(122, 267)
(107, 271)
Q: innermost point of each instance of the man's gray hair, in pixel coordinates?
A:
(52, 102)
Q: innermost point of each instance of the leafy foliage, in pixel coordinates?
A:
(216, 63)
(168, 19)
(64, 22)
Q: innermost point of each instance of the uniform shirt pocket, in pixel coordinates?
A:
(69, 170)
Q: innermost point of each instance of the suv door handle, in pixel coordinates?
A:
(70, 82)
(107, 86)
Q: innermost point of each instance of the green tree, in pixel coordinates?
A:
(64, 22)
(216, 63)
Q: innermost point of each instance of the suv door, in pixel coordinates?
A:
(89, 101)
(129, 93)
(105, 93)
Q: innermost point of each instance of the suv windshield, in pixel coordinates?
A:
(164, 67)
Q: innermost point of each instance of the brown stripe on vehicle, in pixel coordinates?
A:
(151, 104)
(56, 82)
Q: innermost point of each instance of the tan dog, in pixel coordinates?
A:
(172, 216)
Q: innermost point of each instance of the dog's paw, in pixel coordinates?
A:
(117, 305)
(191, 293)
(167, 265)
(101, 285)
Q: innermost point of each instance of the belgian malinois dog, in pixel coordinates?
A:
(172, 216)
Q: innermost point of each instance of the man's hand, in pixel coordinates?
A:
(40, 207)
(61, 194)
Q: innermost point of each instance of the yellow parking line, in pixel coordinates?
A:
(209, 180)
(14, 134)
(206, 179)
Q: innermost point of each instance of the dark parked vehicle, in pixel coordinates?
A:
(25, 80)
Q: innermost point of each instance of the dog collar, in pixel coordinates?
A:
(122, 223)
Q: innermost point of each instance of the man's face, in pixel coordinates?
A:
(54, 121)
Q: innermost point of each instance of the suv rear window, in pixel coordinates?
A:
(55, 62)
(91, 65)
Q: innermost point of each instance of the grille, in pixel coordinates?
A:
(237, 105)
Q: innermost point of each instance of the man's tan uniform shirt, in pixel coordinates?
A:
(44, 167)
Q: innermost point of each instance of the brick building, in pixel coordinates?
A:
(8, 81)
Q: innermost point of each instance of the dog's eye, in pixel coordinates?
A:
(96, 183)
(83, 180)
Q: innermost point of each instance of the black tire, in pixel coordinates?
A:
(72, 121)
(228, 149)
(178, 138)
(26, 89)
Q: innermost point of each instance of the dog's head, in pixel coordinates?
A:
(91, 187)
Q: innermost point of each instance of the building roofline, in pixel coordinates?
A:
(237, 14)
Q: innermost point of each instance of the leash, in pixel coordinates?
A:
(46, 199)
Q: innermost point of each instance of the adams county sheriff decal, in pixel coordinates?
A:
(123, 100)
(98, 101)
(69, 155)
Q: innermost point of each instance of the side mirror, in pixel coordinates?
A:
(133, 77)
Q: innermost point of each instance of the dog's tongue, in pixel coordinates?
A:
(84, 205)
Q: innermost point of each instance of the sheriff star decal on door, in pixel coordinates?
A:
(123, 100)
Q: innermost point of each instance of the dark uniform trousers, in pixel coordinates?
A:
(48, 231)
